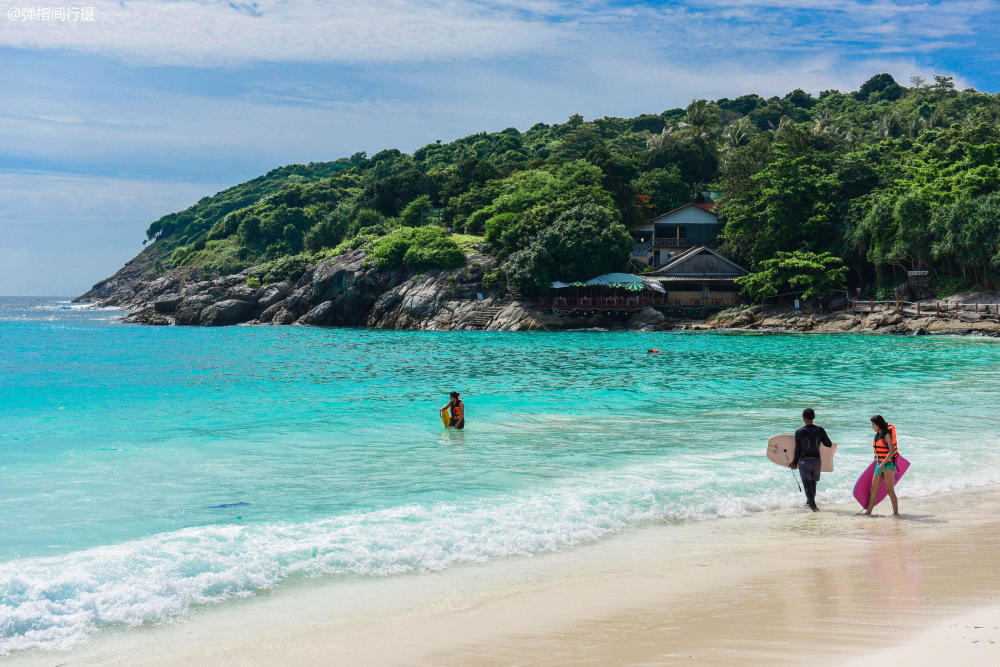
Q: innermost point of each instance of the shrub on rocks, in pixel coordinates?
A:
(417, 248)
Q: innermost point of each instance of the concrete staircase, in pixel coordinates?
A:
(482, 317)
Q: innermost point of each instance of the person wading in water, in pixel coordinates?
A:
(885, 463)
(807, 443)
(457, 409)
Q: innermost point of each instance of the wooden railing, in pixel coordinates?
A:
(682, 243)
(596, 303)
(625, 304)
(921, 307)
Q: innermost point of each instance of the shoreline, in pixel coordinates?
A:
(943, 325)
(345, 290)
(779, 587)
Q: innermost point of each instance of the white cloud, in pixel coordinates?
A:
(214, 32)
(42, 197)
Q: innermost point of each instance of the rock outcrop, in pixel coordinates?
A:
(348, 290)
(908, 322)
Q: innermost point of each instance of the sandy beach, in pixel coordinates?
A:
(782, 587)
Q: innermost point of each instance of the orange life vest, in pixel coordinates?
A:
(457, 411)
(882, 450)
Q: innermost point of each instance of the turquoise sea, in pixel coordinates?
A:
(147, 471)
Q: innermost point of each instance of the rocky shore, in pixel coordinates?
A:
(952, 320)
(340, 291)
(346, 290)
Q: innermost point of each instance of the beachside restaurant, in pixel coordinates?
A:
(608, 293)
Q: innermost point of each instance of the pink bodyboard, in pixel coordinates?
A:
(863, 487)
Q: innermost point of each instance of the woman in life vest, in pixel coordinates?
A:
(457, 409)
(886, 452)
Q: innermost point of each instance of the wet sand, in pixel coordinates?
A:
(782, 587)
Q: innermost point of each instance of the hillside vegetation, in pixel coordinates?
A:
(880, 180)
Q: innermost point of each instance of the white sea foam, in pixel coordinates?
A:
(58, 602)
(70, 306)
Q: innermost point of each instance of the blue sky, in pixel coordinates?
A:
(107, 125)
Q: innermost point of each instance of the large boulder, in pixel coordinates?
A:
(224, 313)
(241, 292)
(645, 318)
(267, 315)
(300, 301)
(323, 314)
(188, 311)
(200, 287)
(433, 299)
(351, 287)
(283, 316)
(147, 315)
(166, 305)
(272, 294)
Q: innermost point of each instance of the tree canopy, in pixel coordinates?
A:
(888, 178)
(804, 273)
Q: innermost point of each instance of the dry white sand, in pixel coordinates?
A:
(784, 587)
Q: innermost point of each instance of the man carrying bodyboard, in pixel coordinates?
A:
(808, 440)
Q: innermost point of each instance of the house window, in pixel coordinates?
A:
(671, 232)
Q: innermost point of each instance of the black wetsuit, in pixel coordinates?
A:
(807, 443)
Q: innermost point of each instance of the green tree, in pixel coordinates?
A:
(618, 170)
(807, 273)
(425, 247)
(388, 195)
(791, 205)
(585, 241)
(537, 197)
(881, 85)
(665, 187)
(968, 234)
(414, 213)
(331, 230)
(701, 121)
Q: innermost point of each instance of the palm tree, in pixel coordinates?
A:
(852, 135)
(891, 125)
(735, 135)
(699, 114)
(824, 124)
(654, 141)
(972, 119)
(782, 123)
(694, 133)
(939, 119)
(699, 122)
(916, 126)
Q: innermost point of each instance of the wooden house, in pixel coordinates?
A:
(659, 240)
(700, 277)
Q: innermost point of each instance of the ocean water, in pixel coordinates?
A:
(146, 471)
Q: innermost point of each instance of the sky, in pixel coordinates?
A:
(113, 114)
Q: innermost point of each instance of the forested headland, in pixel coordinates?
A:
(844, 189)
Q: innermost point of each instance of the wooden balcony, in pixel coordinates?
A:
(599, 304)
(583, 305)
(682, 243)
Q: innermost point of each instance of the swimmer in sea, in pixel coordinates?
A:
(457, 409)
